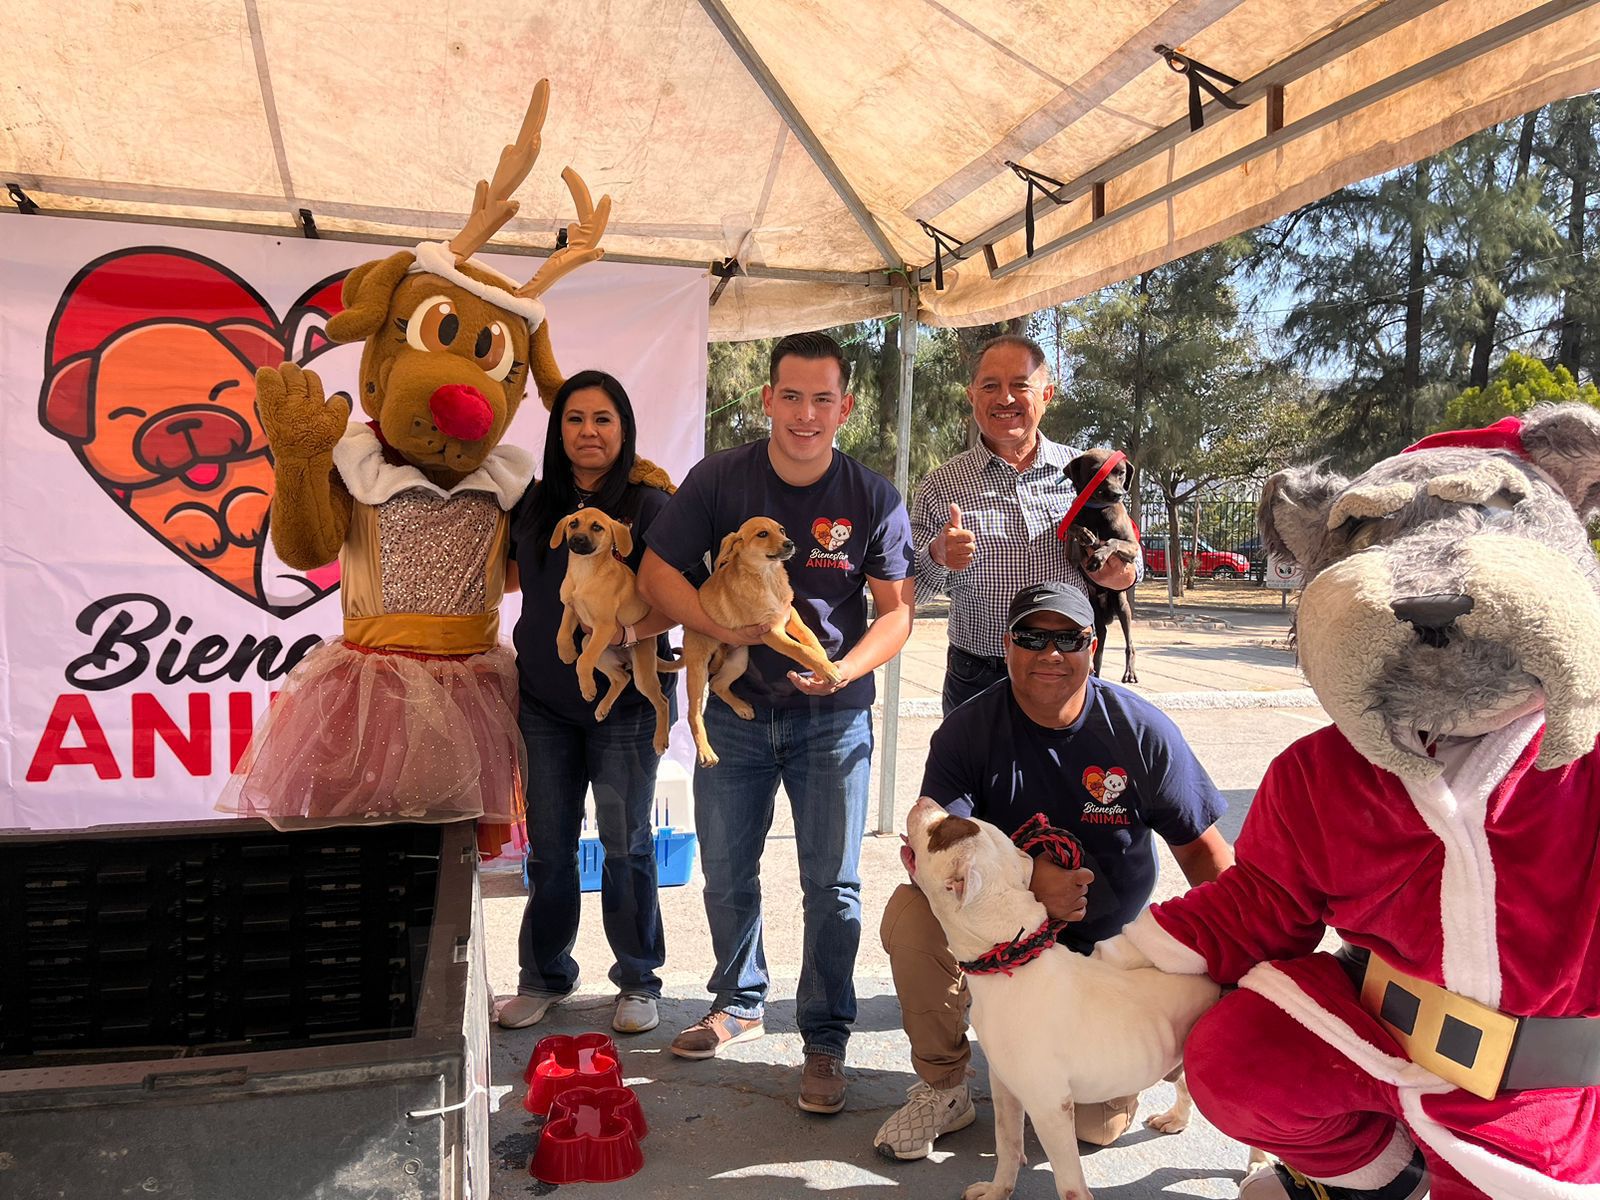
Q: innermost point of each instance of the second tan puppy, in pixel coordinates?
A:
(600, 591)
(748, 586)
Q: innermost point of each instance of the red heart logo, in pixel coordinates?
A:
(150, 378)
(831, 535)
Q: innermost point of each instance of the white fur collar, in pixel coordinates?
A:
(505, 474)
(1455, 808)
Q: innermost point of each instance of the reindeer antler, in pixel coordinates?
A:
(583, 238)
(492, 206)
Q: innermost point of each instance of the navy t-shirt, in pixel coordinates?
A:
(549, 685)
(1119, 773)
(848, 525)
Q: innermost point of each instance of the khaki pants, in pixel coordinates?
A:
(933, 1009)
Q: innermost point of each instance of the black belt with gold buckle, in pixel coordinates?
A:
(1479, 1049)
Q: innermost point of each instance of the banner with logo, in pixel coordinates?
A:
(144, 619)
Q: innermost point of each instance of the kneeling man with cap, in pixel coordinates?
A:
(1100, 763)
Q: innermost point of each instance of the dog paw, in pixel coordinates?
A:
(587, 690)
(1171, 1121)
(567, 652)
(708, 758)
(661, 746)
(743, 711)
(986, 1191)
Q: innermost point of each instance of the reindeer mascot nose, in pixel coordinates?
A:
(461, 412)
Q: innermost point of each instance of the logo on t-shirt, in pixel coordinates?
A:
(830, 535)
(1106, 787)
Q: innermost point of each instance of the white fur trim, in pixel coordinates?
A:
(505, 474)
(1161, 948)
(1271, 983)
(436, 258)
(1391, 1160)
(1497, 1177)
(1456, 810)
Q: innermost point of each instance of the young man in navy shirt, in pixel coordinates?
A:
(1099, 762)
(813, 736)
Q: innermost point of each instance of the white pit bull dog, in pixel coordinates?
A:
(1057, 1030)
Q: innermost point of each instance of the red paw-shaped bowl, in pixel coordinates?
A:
(561, 1062)
(592, 1137)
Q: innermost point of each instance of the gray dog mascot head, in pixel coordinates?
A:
(1452, 588)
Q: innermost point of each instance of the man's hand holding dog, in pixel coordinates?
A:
(815, 685)
(953, 548)
(1064, 893)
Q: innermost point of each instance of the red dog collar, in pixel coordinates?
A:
(1061, 848)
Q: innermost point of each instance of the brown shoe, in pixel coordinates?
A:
(1103, 1123)
(822, 1084)
(718, 1028)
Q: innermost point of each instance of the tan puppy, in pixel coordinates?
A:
(599, 590)
(748, 586)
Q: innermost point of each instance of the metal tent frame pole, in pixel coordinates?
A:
(888, 763)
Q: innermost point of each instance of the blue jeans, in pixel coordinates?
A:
(615, 757)
(823, 758)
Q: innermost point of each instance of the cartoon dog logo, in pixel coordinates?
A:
(150, 378)
(831, 535)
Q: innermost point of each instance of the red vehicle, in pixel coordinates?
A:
(1213, 563)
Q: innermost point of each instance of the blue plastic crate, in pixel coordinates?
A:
(674, 859)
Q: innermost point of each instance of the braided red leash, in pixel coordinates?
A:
(1061, 848)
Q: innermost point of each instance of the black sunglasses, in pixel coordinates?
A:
(1067, 641)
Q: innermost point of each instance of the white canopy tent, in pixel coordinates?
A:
(794, 145)
(809, 154)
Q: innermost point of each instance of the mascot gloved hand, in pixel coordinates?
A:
(1446, 826)
(411, 714)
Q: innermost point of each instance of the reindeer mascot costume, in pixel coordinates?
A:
(411, 714)
(1447, 826)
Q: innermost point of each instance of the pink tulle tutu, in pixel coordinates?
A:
(360, 736)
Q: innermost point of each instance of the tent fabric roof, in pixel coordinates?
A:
(802, 139)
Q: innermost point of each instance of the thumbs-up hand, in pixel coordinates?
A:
(953, 548)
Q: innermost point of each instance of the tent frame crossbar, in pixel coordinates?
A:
(762, 74)
(1269, 85)
(869, 279)
(1274, 138)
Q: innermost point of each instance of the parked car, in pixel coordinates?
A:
(1212, 564)
(1257, 554)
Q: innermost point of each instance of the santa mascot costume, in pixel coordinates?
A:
(1446, 826)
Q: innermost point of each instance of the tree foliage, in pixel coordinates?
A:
(1517, 385)
(1448, 292)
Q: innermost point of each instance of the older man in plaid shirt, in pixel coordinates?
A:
(984, 523)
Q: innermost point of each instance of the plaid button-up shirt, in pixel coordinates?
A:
(1014, 515)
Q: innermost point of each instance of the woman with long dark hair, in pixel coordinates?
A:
(589, 453)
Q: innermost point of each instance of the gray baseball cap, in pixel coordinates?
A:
(1054, 597)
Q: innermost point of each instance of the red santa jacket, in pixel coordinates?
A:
(1489, 886)
(1333, 840)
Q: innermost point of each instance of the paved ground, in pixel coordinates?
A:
(729, 1127)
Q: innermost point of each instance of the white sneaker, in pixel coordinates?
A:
(636, 1013)
(928, 1113)
(523, 1010)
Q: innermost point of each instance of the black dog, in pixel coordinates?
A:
(1102, 529)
